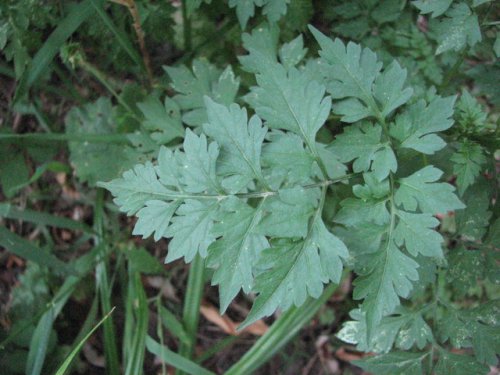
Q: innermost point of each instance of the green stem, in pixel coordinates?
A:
(186, 22)
(280, 333)
(59, 137)
(192, 302)
(110, 347)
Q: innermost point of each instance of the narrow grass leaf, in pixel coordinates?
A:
(67, 362)
(26, 250)
(9, 211)
(175, 359)
(78, 14)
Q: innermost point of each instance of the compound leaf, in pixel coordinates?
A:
(420, 190)
(397, 363)
(240, 139)
(362, 143)
(416, 126)
(204, 80)
(390, 276)
(290, 271)
(459, 28)
(234, 255)
(467, 163)
(416, 232)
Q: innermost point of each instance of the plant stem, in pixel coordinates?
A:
(59, 137)
(186, 23)
(192, 302)
(110, 348)
(280, 333)
(132, 8)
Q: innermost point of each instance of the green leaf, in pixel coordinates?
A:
(234, 255)
(416, 232)
(294, 270)
(241, 142)
(155, 218)
(191, 230)
(351, 70)
(467, 164)
(362, 143)
(473, 221)
(436, 7)
(97, 161)
(420, 190)
(288, 214)
(287, 159)
(389, 277)
(139, 185)
(404, 330)
(262, 47)
(163, 120)
(396, 363)
(416, 126)
(245, 9)
(450, 363)
(458, 29)
(370, 206)
(290, 101)
(388, 88)
(204, 80)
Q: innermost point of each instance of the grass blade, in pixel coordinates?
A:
(8, 211)
(58, 137)
(175, 359)
(120, 35)
(41, 335)
(67, 362)
(26, 250)
(104, 289)
(78, 14)
(280, 333)
(137, 311)
(192, 301)
(171, 323)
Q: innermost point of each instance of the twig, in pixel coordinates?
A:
(130, 5)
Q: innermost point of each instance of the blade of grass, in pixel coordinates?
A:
(280, 333)
(175, 359)
(83, 266)
(192, 301)
(137, 311)
(67, 362)
(221, 345)
(41, 335)
(53, 166)
(59, 137)
(8, 211)
(171, 323)
(120, 35)
(66, 27)
(104, 289)
(26, 250)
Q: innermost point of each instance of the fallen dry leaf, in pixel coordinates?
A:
(227, 325)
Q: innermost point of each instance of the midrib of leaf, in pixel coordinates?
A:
(392, 222)
(219, 197)
(390, 239)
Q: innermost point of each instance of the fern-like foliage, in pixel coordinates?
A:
(258, 196)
